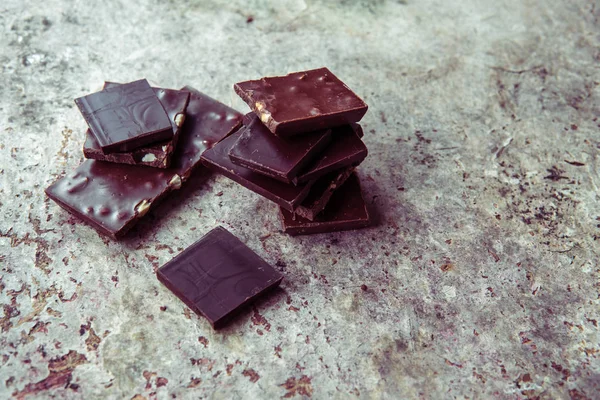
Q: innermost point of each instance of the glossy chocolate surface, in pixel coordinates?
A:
(346, 149)
(109, 196)
(125, 117)
(158, 155)
(320, 193)
(217, 275)
(280, 158)
(286, 195)
(346, 210)
(302, 101)
(105, 195)
(207, 122)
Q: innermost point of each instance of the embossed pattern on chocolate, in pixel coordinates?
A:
(287, 196)
(125, 117)
(261, 151)
(217, 275)
(302, 101)
(158, 155)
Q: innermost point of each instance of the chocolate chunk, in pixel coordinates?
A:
(158, 155)
(271, 155)
(287, 196)
(346, 149)
(302, 101)
(207, 121)
(346, 210)
(113, 197)
(320, 193)
(125, 117)
(217, 275)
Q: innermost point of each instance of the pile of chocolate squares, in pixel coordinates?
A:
(142, 144)
(299, 148)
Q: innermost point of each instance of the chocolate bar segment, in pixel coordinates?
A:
(320, 193)
(346, 149)
(112, 197)
(287, 196)
(207, 122)
(158, 155)
(302, 101)
(217, 275)
(346, 210)
(280, 158)
(125, 117)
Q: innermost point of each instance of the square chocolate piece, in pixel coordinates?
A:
(271, 155)
(346, 210)
(112, 197)
(217, 275)
(286, 195)
(302, 101)
(125, 117)
(157, 155)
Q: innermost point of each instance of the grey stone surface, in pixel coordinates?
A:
(480, 279)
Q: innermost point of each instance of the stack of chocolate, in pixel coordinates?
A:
(142, 144)
(299, 148)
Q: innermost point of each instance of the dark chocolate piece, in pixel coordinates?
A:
(125, 117)
(346, 210)
(346, 149)
(157, 155)
(217, 275)
(112, 197)
(271, 155)
(320, 193)
(207, 122)
(302, 101)
(287, 196)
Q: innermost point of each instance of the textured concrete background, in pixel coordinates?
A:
(481, 278)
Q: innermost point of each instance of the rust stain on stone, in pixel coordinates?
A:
(194, 382)
(251, 374)
(293, 387)
(447, 267)
(93, 341)
(203, 340)
(258, 319)
(61, 370)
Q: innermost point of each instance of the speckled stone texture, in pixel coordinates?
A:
(480, 279)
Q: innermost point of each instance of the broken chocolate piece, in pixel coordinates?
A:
(207, 122)
(125, 117)
(302, 101)
(286, 195)
(280, 158)
(112, 197)
(158, 155)
(217, 275)
(346, 149)
(346, 210)
(320, 193)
